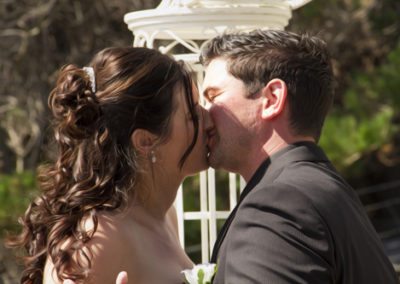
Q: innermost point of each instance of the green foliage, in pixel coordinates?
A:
(379, 87)
(16, 191)
(387, 82)
(365, 123)
(385, 14)
(346, 137)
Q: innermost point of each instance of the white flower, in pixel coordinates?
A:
(200, 274)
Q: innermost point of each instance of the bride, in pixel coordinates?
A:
(129, 129)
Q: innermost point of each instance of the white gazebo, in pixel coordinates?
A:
(179, 27)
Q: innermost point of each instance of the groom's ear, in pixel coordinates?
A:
(273, 98)
(143, 141)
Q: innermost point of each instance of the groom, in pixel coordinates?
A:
(297, 220)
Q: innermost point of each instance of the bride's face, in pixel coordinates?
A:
(181, 136)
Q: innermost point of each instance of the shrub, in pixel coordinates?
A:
(16, 191)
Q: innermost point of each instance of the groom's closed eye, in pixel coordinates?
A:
(211, 93)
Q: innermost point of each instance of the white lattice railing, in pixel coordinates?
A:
(208, 213)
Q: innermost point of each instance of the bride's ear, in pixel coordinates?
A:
(143, 141)
(274, 98)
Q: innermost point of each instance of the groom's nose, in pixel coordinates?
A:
(208, 122)
(207, 105)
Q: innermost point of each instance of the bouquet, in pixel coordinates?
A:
(200, 274)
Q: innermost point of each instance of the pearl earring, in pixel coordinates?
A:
(153, 157)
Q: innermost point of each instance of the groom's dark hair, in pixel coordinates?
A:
(301, 61)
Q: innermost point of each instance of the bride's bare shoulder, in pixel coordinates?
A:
(109, 249)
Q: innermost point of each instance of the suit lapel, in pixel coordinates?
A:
(252, 183)
(268, 171)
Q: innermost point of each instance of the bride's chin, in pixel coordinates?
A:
(202, 166)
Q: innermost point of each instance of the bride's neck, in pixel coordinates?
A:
(155, 198)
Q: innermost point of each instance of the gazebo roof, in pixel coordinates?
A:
(202, 19)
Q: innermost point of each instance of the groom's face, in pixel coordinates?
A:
(233, 114)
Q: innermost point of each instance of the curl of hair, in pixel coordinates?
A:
(74, 106)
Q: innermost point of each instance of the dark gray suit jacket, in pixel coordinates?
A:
(298, 221)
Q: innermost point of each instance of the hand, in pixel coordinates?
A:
(122, 278)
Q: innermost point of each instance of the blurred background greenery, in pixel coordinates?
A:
(361, 135)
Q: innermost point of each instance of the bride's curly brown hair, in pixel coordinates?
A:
(96, 167)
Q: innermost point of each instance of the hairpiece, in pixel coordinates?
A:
(90, 72)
